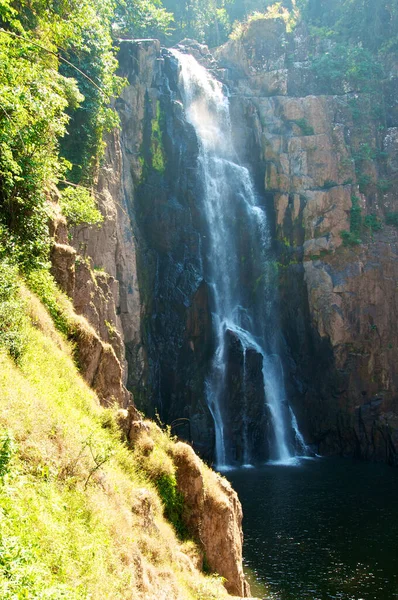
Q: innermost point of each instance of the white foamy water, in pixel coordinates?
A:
(229, 198)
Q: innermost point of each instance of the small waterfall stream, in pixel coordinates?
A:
(231, 211)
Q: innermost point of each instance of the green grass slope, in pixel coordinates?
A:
(79, 516)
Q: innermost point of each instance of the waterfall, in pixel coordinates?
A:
(232, 213)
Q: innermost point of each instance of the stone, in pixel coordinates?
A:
(63, 258)
(213, 515)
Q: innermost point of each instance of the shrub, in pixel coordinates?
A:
(79, 206)
(351, 64)
(383, 185)
(373, 223)
(7, 450)
(349, 239)
(392, 218)
(363, 181)
(12, 315)
(355, 216)
(329, 183)
(157, 150)
(43, 284)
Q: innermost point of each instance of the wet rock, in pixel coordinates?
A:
(246, 417)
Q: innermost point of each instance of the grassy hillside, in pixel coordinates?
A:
(80, 516)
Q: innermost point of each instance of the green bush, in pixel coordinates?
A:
(12, 315)
(392, 218)
(42, 283)
(355, 216)
(157, 150)
(350, 239)
(7, 450)
(351, 64)
(363, 181)
(373, 223)
(329, 183)
(79, 206)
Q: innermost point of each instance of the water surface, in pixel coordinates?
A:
(327, 529)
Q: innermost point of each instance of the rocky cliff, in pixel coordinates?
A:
(323, 155)
(326, 150)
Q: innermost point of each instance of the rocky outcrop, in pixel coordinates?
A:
(328, 160)
(96, 333)
(213, 515)
(107, 291)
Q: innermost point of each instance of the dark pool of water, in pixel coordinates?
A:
(325, 529)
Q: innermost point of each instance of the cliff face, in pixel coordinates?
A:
(327, 156)
(159, 152)
(324, 157)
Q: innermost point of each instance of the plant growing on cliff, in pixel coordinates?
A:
(173, 502)
(275, 10)
(42, 283)
(373, 223)
(392, 218)
(79, 206)
(354, 65)
(305, 127)
(372, 24)
(157, 150)
(351, 238)
(12, 311)
(57, 76)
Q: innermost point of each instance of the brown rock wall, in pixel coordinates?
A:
(319, 147)
(213, 516)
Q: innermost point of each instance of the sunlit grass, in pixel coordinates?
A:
(72, 520)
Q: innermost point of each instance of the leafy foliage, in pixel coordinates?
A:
(12, 316)
(205, 20)
(7, 450)
(305, 127)
(157, 150)
(32, 118)
(392, 218)
(371, 23)
(373, 223)
(143, 18)
(43, 284)
(349, 238)
(79, 206)
(352, 237)
(173, 502)
(354, 65)
(57, 76)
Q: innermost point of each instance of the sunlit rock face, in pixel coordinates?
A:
(307, 138)
(300, 138)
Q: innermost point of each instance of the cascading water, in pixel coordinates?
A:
(232, 213)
